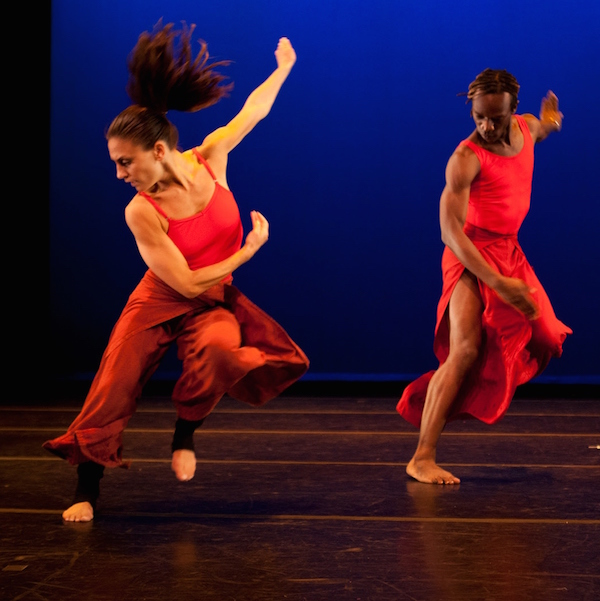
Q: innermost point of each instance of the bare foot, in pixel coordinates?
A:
(428, 471)
(79, 512)
(184, 464)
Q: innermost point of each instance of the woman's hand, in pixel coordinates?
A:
(285, 54)
(259, 233)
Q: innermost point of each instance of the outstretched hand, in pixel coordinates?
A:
(285, 54)
(549, 112)
(259, 233)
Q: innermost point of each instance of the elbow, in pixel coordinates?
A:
(261, 113)
(446, 236)
(448, 239)
(451, 230)
(259, 109)
(193, 292)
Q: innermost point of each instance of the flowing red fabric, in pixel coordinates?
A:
(514, 349)
(253, 361)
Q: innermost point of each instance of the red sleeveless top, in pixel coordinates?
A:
(211, 235)
(501, 192)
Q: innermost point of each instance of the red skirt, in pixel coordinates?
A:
(514, 348)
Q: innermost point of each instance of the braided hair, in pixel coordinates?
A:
(494, 81)
(164, 75)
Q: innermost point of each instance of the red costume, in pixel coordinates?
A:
(226, 343)
(514, 348)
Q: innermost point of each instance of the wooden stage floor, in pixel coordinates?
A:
(307, 499)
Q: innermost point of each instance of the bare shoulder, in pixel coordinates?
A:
(214, 144)
(529, 118)
(214, 138)
(137, 206)
(462, 168)
(189, 155)
(140, 213)
(215, 154)
(463, 153)
(533, 123)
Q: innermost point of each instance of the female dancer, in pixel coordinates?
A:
(188, 231)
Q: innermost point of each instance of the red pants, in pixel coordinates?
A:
(234, 349)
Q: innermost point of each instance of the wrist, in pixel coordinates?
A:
(285, 69)
(553, 123)
(494, 280)
(247, 252)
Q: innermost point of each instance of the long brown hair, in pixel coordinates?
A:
(163, 76)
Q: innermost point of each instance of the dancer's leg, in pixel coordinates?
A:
(182, 447)
(464, 314)
(94, 437)
(206, 342)
(207, 345)
(89, 475)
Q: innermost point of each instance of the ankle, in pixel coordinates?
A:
(183, 436)
(422, 455)
(89, 475)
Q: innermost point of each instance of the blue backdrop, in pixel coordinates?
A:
(348, 167)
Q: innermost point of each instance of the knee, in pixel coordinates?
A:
(466, 352)
(224, 335)
(214, 340)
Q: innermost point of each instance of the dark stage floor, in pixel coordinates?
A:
(307, 499)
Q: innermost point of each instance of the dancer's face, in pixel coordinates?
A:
(136, 166)
(492, 115)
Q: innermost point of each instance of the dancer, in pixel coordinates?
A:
(187, 228)
(495, 328)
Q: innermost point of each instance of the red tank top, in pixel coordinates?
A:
(211, 235)
(501, 192)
